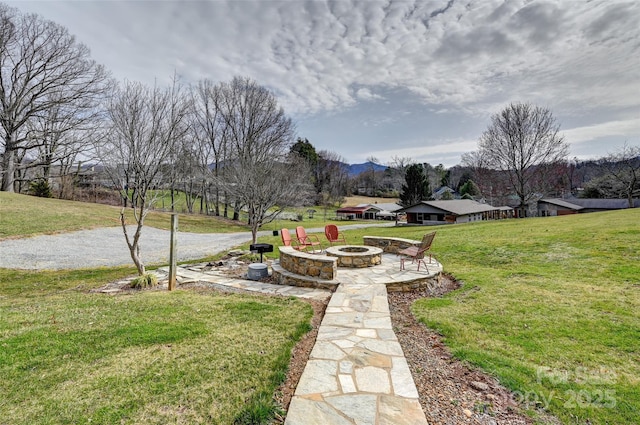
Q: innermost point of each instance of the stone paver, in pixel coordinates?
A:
(357, 372)
(187, 275)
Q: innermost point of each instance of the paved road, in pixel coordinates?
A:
(106, 247)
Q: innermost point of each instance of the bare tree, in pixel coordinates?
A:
(42, 68)
(210, 129)
(332, 179)
(258, 135)
(523, 144)
(623, 167)
(145, 126)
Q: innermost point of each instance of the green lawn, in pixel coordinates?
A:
(23, 215)
(71, 357)
(550, 306)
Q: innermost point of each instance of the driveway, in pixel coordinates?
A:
(106, 247)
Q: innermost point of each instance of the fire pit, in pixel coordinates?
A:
(355, 255)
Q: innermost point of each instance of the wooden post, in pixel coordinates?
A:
(172, 252)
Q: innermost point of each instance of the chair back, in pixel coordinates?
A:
(427, 240)
(286, 237)
(331, 232)
(301, 234)
(425, 245)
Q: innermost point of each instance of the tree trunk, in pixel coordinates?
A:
(134, 246)
(8, 165)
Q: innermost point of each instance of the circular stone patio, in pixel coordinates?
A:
(387, 272)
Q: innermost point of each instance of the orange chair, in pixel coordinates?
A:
(417, 253)
(308, 240)
(287, 241)
(333, 235)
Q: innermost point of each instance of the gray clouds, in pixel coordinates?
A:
(370, 59)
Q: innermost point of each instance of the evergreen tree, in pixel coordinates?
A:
(416, 188)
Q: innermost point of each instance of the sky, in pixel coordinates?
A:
(416, 80)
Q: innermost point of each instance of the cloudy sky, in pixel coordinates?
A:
(385, 79)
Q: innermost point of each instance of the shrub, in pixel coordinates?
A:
(147, 280)
(40, 187)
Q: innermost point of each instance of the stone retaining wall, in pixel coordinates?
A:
(304, 264)
(390, 245)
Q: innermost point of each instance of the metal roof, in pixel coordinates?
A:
(457, 206)
(561, 203)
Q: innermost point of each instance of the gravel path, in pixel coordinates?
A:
(106, 247)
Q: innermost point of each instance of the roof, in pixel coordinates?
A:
(561, 203)
(389, 207)
(457, 206)
(442, 190)
(603, 204)
(353, 210)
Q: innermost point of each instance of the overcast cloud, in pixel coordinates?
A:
(416, 79)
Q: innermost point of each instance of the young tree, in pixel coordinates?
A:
(417, 187)
(145, 125)
(42, 68)
(523, 144)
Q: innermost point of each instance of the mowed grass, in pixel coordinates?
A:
(550, 306)
(70, 356)
(24, 215)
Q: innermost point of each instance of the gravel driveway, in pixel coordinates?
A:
(106, 247)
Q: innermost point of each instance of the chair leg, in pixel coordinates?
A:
(425, 265)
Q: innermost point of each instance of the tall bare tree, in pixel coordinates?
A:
(145, 125)
(258, 135)
(42, 67)
(623, 167)
(522, 144)
(210, 129)
(332, 179)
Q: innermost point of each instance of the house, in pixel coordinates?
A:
(551, 207)
(440, 193)
(369, 211)
(452, 211)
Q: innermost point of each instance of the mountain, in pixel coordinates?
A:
(357, 169)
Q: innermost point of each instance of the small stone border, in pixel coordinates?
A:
(390, 245)
(355, 255)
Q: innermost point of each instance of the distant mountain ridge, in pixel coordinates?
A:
(357, 169)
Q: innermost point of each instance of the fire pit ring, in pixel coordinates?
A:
(355, 256)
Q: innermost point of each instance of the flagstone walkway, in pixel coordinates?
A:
(357, 373)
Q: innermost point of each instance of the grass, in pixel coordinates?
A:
(23, 215)
(549, 306)
(69, 356)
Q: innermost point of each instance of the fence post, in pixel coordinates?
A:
(172, 252)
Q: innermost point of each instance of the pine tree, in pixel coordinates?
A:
(416, 188)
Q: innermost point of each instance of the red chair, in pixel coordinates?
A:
(333, 235)
(308, 241)
(287, 241)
